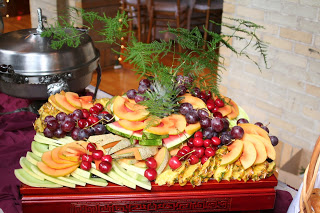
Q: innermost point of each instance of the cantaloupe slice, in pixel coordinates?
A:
(179, 124)
(235, 151)
(134, 106)
(234, 110)
(55, 156)
(132, 125)
(140, 164)
(226, 109)
(249, 155)
(271, 152)
(87, 98)
(192, 128)
(47, 159)
(128, 152)
(162, 158)
(73, 99)
(56, 172)
(259, 146)
(109, 145)
(122, 112)
(197, 103)
(162, 129)
(63, 103)
(254, 129)
(54, 103)
(86, 105)
(129, 161)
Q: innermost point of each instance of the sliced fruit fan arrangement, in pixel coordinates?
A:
(81, 142)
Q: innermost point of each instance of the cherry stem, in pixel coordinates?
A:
(187, 154)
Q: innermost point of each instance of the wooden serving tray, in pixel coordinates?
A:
(209, 197)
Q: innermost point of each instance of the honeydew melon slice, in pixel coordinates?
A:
(92, 181)
(124, 174)
(105, 176)
(72, 180)
(39, 137)
(39, 148)
(32, 158)
(132, 168)
(51, 147)
(113, 174)
(82, 173)
(25, 178)
(26, 165)
(52, 179)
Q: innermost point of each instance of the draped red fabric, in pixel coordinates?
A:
(16, 135)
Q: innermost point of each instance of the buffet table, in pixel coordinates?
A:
(16, 135)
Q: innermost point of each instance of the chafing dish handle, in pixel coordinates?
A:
(98, 81)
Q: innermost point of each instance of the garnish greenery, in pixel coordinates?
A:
(199, 59)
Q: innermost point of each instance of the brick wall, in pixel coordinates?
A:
(288, 94)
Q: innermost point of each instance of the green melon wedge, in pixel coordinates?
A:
(39, 148)
(26, 165)
(105, 176)
(32, 158)
(52, 179)
(122, 172)
(25, 178)
(92, 181)
(73, 180)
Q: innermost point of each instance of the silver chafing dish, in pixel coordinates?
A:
(30, 68)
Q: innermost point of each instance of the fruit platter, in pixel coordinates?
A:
(208, 144)
(172, 144)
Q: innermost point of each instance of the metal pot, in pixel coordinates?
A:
(32, 69)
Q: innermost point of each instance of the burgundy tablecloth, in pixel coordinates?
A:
(16, 134)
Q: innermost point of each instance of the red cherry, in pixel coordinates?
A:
(83, 123)
(198, 142)
(150, 174)
(85, 114)
(207, 143)
(105, 112)
(215, 109)
(85, 165)
(211, 101)
(219, 103)
(190, 143)
(198, 134)
(107, 158)
(208, 95)
(215, 141)
(198, 151)
(94, 110)
(204, 159)
(97, 154)
(91, 147)
(217, 114)
(209, 152)
(174, 162)
(210, 106)
(99, 107)
(87, 157)
(187, 149)
(105, 166)
(193, 159)
(151, 163)
(93, 120)
(182, 154)
(203, 95)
